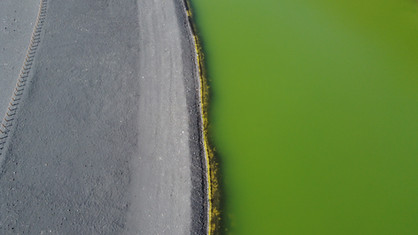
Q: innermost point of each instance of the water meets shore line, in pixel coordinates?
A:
(212, 163)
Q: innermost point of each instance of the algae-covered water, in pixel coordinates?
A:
(314, 114)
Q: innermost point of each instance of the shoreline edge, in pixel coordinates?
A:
(212, 164)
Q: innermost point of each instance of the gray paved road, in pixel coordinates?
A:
(106, 139)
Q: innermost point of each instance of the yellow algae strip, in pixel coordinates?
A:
(214, 217)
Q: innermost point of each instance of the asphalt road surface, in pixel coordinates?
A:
(106, 137)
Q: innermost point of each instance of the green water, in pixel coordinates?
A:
(314, 114)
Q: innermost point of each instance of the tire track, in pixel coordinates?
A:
(7, 123)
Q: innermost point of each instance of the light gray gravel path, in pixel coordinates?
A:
(107, 136)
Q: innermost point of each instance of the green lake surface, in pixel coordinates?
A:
(314, 114)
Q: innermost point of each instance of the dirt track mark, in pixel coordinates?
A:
(9, 118)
